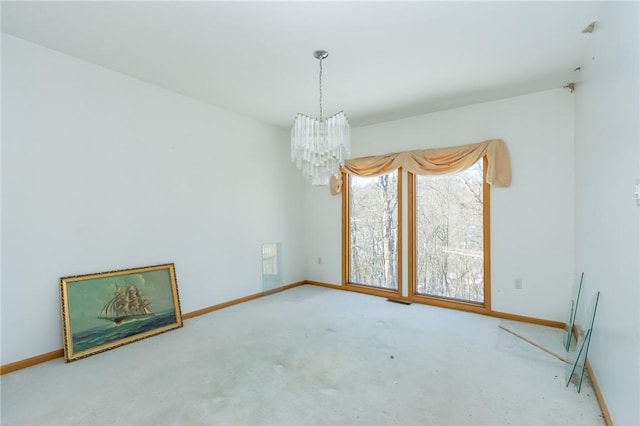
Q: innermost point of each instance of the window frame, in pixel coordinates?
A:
(346, 243)
(484, 307)
(409, 221)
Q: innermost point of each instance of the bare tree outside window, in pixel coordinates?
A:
(449, 235)
(373, 230)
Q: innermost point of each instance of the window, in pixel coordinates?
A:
(448, 235)
(372, 252)
(448, 230)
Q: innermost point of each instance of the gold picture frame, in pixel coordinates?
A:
(105, 310)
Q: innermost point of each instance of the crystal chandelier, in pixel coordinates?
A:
(319, 147)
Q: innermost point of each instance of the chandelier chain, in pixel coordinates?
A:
(320, 89)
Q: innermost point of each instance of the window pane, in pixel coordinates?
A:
(449, 235)
(373, 230)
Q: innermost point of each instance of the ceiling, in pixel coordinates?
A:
(387, 60)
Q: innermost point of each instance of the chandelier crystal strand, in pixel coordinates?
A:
(319, 147)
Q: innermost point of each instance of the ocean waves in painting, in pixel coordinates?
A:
(109, 333)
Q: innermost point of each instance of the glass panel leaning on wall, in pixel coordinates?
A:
(373, 230)
(449, 232)
(573, 308)
(271, 266)
(578, 356)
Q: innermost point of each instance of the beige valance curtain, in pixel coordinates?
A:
(436, 161)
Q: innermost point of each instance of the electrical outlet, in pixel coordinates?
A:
(518, 284)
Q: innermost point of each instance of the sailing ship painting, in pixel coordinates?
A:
(105, 310)
(126, 305)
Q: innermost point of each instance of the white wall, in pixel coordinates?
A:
(607, 217)
(101, 172)
(532, 222)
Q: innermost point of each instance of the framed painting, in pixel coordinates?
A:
(105, 310)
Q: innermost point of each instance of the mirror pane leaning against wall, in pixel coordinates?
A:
(271, 260)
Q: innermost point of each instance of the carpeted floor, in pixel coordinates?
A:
(312, 355)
